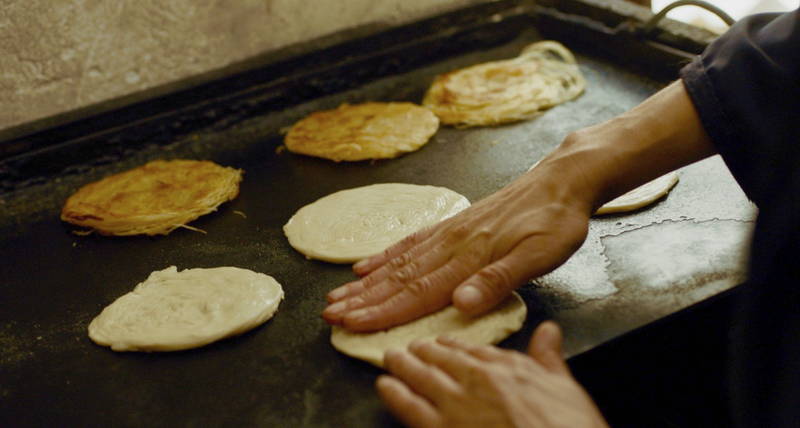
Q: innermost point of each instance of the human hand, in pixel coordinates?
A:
(451, 384)
(474, 259)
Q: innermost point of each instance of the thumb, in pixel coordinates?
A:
(488, 287)
(545, 347)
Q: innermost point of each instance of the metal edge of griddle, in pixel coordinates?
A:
(102, 133)
(613, 29)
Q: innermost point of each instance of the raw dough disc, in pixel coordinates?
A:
(350, 225)
(153, 199)
(641, 196)
(363, 131)
(544, 74)
(174, 310)
(487, 329)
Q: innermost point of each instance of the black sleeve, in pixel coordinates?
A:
(746, 87)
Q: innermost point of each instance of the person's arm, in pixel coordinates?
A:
(526, 229)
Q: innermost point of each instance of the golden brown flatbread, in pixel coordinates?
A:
(363, 131)
(152, 199)
(543, 75)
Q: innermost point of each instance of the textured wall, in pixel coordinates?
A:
(61, 54)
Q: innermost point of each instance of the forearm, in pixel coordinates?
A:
(603, 161)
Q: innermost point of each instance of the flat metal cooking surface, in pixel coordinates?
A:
(285, 373)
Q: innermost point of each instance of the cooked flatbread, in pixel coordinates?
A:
(174, 310)
(363, 131)
(641, 196)
(543, 75)
(487, 329)
(350, 225)
(152, 199)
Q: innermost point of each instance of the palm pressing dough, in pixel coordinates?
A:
(487, 329)
(363, 131)
(641, 196)
(543, 75)
(153, 199)
(174, 310)
(350, 225)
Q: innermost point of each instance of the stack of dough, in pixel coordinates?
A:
(543, 75)
(363, 131)
(174, 310)
(353, 224)
(153, 199)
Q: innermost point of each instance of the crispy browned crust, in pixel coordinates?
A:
(543, 75)
(363, 131)
(153, 199)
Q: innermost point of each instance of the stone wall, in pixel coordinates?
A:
(58, 55)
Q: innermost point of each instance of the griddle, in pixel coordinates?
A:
(285, 373)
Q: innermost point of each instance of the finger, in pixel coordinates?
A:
(406, 271)
(410, 408)
(545, 347)
(492, 284)
(402, 269)
(369, 264)
(481, 352)
(457, 363)
(418, 298)
(426, 380)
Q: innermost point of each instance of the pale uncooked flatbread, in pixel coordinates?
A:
(174, 310)
(487, 329)
(350, 225)
(543, 75)
(641, 196)
(363, 131)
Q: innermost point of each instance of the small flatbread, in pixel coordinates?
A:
(544, 74)
(363, 131)
(641, 196)
(174, 310)
(487, 329)
(153, 199)
(350, 225)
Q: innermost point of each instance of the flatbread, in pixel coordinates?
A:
(487, 329)
(641, 196)
(353, 224)
(544, 74)
(153, 199)
(174, 310)
(363, 131)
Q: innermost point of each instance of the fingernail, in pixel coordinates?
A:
(361, 264)
(335, 309)
(337, 293)
(469, 295)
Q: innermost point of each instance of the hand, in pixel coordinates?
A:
(526, 229)
(473, 260)
(451, 384)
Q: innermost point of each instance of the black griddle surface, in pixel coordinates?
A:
(283, 373)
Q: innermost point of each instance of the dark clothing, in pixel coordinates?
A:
(746, 87)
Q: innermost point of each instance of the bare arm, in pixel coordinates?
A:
(526, 229)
